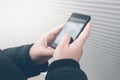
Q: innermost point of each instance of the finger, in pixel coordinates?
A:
(65, 41)
(48, 51)
(84, 35)
(56, 30)
(51, 35)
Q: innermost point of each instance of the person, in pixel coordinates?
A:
(23, 62)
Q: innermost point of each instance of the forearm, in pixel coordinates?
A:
(20, 56)
(65, 69)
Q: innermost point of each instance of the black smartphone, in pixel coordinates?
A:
(73, 27)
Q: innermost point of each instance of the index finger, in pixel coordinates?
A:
(51, 35)
(83, 35)
(55, 31)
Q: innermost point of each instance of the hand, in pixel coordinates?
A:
(41, 51)
(74, 50)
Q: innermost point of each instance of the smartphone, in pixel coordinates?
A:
(73, 27)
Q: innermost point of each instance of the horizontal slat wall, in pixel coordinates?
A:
(101, 59)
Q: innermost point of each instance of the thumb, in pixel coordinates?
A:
(48, 52)
(64, 41)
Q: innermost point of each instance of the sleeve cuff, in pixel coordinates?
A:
(64, 63)
(65, 69)
(32, 65)
(32, 69)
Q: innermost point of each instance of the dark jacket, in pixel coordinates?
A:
(15, 64)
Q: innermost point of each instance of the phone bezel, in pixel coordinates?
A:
(76, 15)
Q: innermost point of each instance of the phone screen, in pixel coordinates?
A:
(73, 27)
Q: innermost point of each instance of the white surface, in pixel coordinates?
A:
(23, 21)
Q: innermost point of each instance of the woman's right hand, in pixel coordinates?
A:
(64, 50)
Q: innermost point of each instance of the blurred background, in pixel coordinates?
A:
(24, 21)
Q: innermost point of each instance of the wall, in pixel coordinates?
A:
(23, 21)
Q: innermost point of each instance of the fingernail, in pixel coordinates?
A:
(67, 35)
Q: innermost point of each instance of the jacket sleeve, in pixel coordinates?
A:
(65, 69)
(20, 57)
